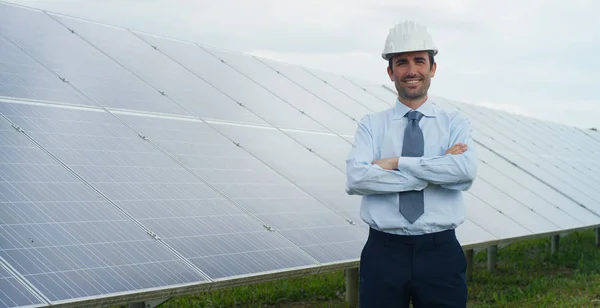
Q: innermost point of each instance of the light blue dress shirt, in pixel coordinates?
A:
(442, 177)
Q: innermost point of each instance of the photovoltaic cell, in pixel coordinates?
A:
(331, 147)
(256, 98)
(556, 151)
(377, 90)
(491, 219)
(565, 143)
(351, 90)
(64, 238)
(522, 152)
(313, 174)
(547, 201)
(164, 74)
(327, 93)
(334, 119)
(259, 190)
(507, 203)
(81, 64)
(469, 233)
(13, 293)
(22, 77)
(183, 211)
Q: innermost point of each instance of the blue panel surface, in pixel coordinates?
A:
(214, 234)
(351, 90)
(337, 120)
(315, 175)
(256, 98)
(316, 86)
(13, 293)
(81, 64)
(59, 234)
(259, 190)
(22, 77)
(531, 153)
(178, 83)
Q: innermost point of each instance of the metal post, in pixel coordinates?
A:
(469, 256)
(352, 287)
(492, 255)
(148, 304)
(555, 240)
(598, 237)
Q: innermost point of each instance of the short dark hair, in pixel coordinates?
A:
(431, 59)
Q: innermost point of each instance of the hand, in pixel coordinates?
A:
(456, 149)
(387, 163)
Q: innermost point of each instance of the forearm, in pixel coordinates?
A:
(442, 170)
(369, 179)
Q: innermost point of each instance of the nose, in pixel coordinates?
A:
(411, 70)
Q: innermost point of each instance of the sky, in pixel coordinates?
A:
(535, 58)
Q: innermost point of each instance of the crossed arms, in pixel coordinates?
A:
(455, 170)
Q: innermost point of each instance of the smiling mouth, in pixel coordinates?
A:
(412, 81)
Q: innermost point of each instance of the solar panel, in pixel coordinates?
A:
(550, 143)
(547, 201)
(243, 90)
(336, 120)
(316, 176)
(377, 90)
(13, 292)
(22, 77)
(331, 147)
(332, 96)
(351, 90)
(592, 134)
(62, 236)
(514, 148)
(262, 192)
(207, 229)
(469, 233)
(164, 74)
(489, 218)
(82, 65)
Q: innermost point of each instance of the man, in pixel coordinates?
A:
(410, 164)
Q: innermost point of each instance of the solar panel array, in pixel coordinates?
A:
(135, 166)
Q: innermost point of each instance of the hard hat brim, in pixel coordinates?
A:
(387, 56)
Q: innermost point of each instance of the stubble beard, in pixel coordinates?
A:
(411, 94)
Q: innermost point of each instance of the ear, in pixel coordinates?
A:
(433, 68)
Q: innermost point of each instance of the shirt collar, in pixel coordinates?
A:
(400, 109)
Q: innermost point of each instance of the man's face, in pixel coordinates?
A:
(412, 73)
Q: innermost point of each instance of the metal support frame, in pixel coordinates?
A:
(148, 304)
(492, 257)
(555, 241)
(597, 236)
(469, 256)
(352, 287)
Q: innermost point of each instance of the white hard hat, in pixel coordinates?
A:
(407, 36)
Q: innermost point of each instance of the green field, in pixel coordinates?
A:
(527, 275)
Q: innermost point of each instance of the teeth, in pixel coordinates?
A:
(412, 81)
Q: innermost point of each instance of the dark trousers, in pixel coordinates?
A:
(429, 269)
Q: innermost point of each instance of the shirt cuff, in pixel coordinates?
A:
(409, 164)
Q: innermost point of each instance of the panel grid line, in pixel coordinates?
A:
(24, 282)
(533, 175)
(272, 93)
(141, 226)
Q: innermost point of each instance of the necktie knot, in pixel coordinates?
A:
(414, 115)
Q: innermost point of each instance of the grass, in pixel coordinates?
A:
(527, 275)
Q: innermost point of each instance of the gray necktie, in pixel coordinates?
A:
(411, 202)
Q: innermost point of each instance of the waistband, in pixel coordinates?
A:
(435, 238)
